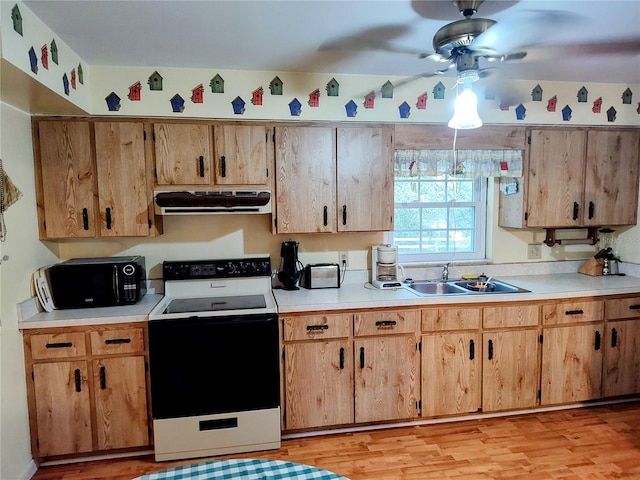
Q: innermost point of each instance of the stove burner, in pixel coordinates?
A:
(215, 304)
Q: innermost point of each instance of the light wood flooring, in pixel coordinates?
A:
(584, 443)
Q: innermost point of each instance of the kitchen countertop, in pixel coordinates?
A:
(93, 316)
(541, 287)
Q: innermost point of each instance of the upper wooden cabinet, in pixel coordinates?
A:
(576, 178)
(334, 180)
(91, 179)
(185, 154)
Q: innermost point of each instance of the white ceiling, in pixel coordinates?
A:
(584, 41)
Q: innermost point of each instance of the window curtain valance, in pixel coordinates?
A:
(463, 163)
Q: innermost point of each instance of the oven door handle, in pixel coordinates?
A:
(116, 283)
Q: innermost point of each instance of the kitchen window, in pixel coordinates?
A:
(441, 201)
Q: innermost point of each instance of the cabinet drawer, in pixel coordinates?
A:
(622, 308)
(127, 340)
(511, 316)
(572, 312)
(385, 323)
(58, 345)
(451, 319)
(313, 327)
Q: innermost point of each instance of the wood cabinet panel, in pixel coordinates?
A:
(241, 154)
(385, 323)
(451, 319)
(451, 373)
(117, 342)
(622, 358)
(511, 316)
(317, 327)
(57, 345)
(572, 312)
(621, 308)
(183, 154)
(441, 137)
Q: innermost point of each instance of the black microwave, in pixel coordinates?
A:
(98, 282)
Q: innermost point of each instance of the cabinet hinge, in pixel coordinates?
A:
(540, 338)
(153, 136)
(155, 173)
(33, 377)
(150, 224)
(144, 135)
(275, 222)
(274, 135)
(267, 173)
(419, 405)
(539, 394)
(529, 140)
(283, 355)
(526, 215)
(419, 346)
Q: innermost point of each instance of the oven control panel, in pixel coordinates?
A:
(197, 269)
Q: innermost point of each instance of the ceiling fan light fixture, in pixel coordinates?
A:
(465, 113)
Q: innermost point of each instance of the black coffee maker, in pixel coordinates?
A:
(290, 267)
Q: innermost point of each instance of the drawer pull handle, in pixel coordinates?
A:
(592, 207)
(78, 380)
(574, 312)
(472, 350)
(59, 345)
(325, 215)
(223, 166)
(85, 219)
(576, 210)
(614, 337)
(386, 323)
(634, 307)
(597, 342)
(344, 215)
(361, 357)
(490, 350)
(108, 218)
(103, 378)
(317, 327)
(201, 167)
(342, 358)
(117, 341)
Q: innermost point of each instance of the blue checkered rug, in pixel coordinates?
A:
(243, 469)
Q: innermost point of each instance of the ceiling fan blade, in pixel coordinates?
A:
(506, 58)
(411, 79)
(624, 46)
(363, 44)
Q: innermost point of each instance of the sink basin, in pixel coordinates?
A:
(437, 288)
(494, 286)
(462, 287)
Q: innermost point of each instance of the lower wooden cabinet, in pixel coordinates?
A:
(87, 389)
(622, 347)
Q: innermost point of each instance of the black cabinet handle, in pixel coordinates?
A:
(317, 327)
(634, 307)
(592, 208)
(342, 359)
(386, 323)
(361, 357)
(614, 337)
(490, 350)
(201, 167)
(344, 214)
(326, 215)
(59, 345)
(223, 166)
(472, 350)
(117, 341)
(576, 210)
(597, 342)
(78, 380)
(574, 312)
(85, 219)
(108, 214)
(103, 378)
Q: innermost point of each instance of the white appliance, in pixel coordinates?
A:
(386, 272)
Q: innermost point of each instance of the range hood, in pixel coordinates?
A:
(212, 202)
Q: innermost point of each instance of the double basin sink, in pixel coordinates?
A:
(429, 288)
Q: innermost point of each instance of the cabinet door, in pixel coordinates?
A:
(571, 364)
(61, 391)
(385, 380)
(305, 179)
(622, 359)
(510, 372)
(68, 179)
(318, 384)
(365, 179)
(450, 374)
(241, 154)
(122, 174)
(183, 154)
(556, 178)
(611, 184)
(121, 402)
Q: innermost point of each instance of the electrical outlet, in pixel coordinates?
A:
(344, 259)
(534, 251)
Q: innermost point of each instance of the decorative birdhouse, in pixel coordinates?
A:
(113, 102)
(80, 75)
(627, 96)
(405, 110)
(438, 91)
(238, 105)
(295, 107)
(504, 106)
(276, 86)
(44, 56)
(197, 94)
(351, 108)
(333, 88)
(536, 93)
(611, 115)
(217, 84)
(73, 78)
(597, 106)
(177, 103)
(521, 112)
(387, 89)
(16, 18)
(256, 96)
(54, 52)
(155, 81)
(583, 95)
(33, 60)
(566, 113)
(369, 100)
(421, 104)
(552, 103)
(135, 91)
(314, 98)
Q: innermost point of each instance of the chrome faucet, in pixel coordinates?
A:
(445, 272)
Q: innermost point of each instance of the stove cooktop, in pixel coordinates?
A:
(215, 304)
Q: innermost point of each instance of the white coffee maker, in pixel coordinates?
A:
(385, 270)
